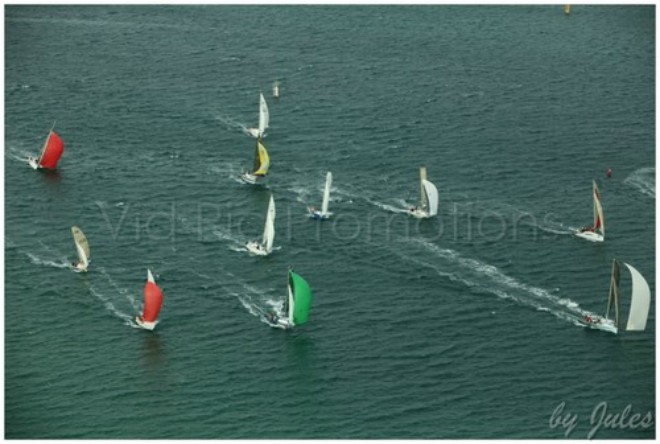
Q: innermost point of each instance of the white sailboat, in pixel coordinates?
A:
(265, 247)
(428, 206)
(276, 90)
(640, 300)
(323, 214)
(264, 118)
(82, 247)
(595, 233)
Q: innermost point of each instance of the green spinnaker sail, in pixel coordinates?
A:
(302, 298)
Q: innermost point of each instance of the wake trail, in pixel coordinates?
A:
(63, 263)
(473, 272)
(643, 180)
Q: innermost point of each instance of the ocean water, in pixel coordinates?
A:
(461, 326)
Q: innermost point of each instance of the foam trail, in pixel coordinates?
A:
(386, 207)
(38, 261)
(643, 180)
(503, 286)
(128, 319)
(231, 123)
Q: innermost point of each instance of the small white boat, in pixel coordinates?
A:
(153, 302)
(50, 153)
(264, 118)
(260, 165)
(595, 233)
(323, 214)
(428, 206)
(265, 247)
(276, 90)
(82, 247)
(640, 301)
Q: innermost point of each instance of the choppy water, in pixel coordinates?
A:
(464, 326)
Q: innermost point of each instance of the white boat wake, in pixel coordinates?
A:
(62, 263)
(474, 273)
(643, 180)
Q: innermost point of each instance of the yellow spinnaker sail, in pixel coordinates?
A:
(264, 160)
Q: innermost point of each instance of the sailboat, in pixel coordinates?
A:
(263, 119)
(260, 165)
(82, 247)
(276, 90)
(640, 300)
(50, 153)
(595, 233)
(324, 213)
(295, 310)
(428, 206)
(567, 9)
(266, 246)
(153, 301)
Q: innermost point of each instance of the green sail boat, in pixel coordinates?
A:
(296, 307)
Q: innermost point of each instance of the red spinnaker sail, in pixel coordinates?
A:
(153, 301)
(52, 152)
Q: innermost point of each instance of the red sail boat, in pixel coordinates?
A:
(153, 301)
(50, 154)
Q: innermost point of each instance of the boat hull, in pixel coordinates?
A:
(419, 214)
(33, 163)
(602, 324)
(252, 179)
(256, 248)
(254, 132)
(146, 325)
(590, 236)
(317, 215)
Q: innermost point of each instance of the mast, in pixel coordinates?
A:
(422, 178)
(613, 299)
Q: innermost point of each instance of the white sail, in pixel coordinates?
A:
(431, 196)
(82, 246)
(291, 302)
(422, 177)
(269, 228)
(640, 301)
(150, 277)
(263, 115)
(326, 193)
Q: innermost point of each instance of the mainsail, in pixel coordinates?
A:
(640, 301)
(422, 178)
(263, 115)
(261, 159)
(326, 193)
(430, 193)
(613, 299)
(599, 221)
(300, 299)
(51, 152)
(153, 299)
(82, 246)
(269, 228)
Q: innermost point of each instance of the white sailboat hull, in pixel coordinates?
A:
(319, 215)
(590, 236)
(419, 213)
(254, 132)
(33, 163)
(256, 248)
(601, 324)
(79, 268)
(146, 325)
(251, 178)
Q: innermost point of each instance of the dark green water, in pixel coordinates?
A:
(463, 326)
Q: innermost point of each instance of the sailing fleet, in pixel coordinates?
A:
(295, 308)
